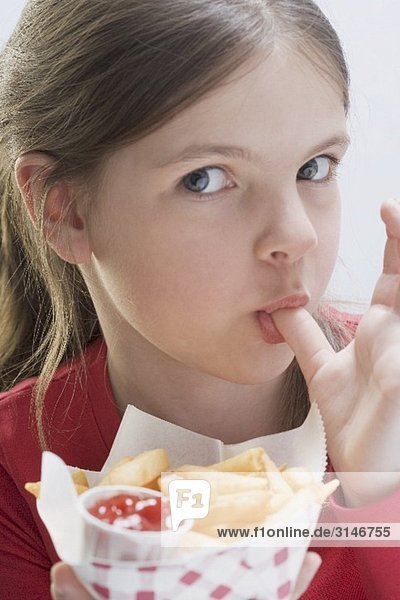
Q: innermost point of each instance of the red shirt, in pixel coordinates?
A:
(83, 421)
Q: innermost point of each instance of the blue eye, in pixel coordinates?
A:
(325, 170)
(205, 181)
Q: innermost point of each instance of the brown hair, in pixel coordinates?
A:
(81, 79)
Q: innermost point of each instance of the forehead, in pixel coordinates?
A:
(276, 105)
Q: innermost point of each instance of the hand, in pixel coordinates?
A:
(311, 564)
(358, 388)
(65, 585)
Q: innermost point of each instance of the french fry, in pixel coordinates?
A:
(322, 491)
(317, 492)
(224, 482)
(122, 461)
(254, 460)
(79, 478)
(34, 488)
(238, 507)
(154, 485)
(81, 488)
(139, 471)
(298, 477)
(278, 485)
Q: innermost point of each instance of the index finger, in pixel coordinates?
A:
(386, 289)
(390, 214)
(302, 333)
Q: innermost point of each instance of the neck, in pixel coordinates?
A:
(194, 400)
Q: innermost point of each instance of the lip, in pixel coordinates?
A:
(293, 301)
(269, 332)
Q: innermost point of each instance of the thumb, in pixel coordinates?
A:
(309, 568)
(65, 585)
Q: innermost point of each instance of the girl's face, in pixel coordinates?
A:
(191, 238)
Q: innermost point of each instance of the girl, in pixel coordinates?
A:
(168, 183)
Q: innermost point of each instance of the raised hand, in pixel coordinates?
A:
(358, 388)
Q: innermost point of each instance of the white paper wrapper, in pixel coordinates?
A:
(139, 431)
(242, 572)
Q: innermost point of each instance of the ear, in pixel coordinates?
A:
(64, 225)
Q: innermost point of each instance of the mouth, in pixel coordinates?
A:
(270, 333)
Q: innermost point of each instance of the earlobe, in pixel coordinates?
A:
(64, 228)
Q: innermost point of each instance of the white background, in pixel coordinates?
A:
(370, 172)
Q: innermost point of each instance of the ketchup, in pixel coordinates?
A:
(130, 512)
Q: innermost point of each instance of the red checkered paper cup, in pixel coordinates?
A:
(233, 574)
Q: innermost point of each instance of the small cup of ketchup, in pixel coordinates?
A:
(125, 523)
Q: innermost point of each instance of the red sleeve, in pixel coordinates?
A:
(24, 561)
(378, 566)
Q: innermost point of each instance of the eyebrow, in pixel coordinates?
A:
(237, 152)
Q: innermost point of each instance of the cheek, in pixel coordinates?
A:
(189, 275)
(328, 240)
(155, 271)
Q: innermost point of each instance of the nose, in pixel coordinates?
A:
(288, 234)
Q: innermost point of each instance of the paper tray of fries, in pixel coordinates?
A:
(248, 492)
